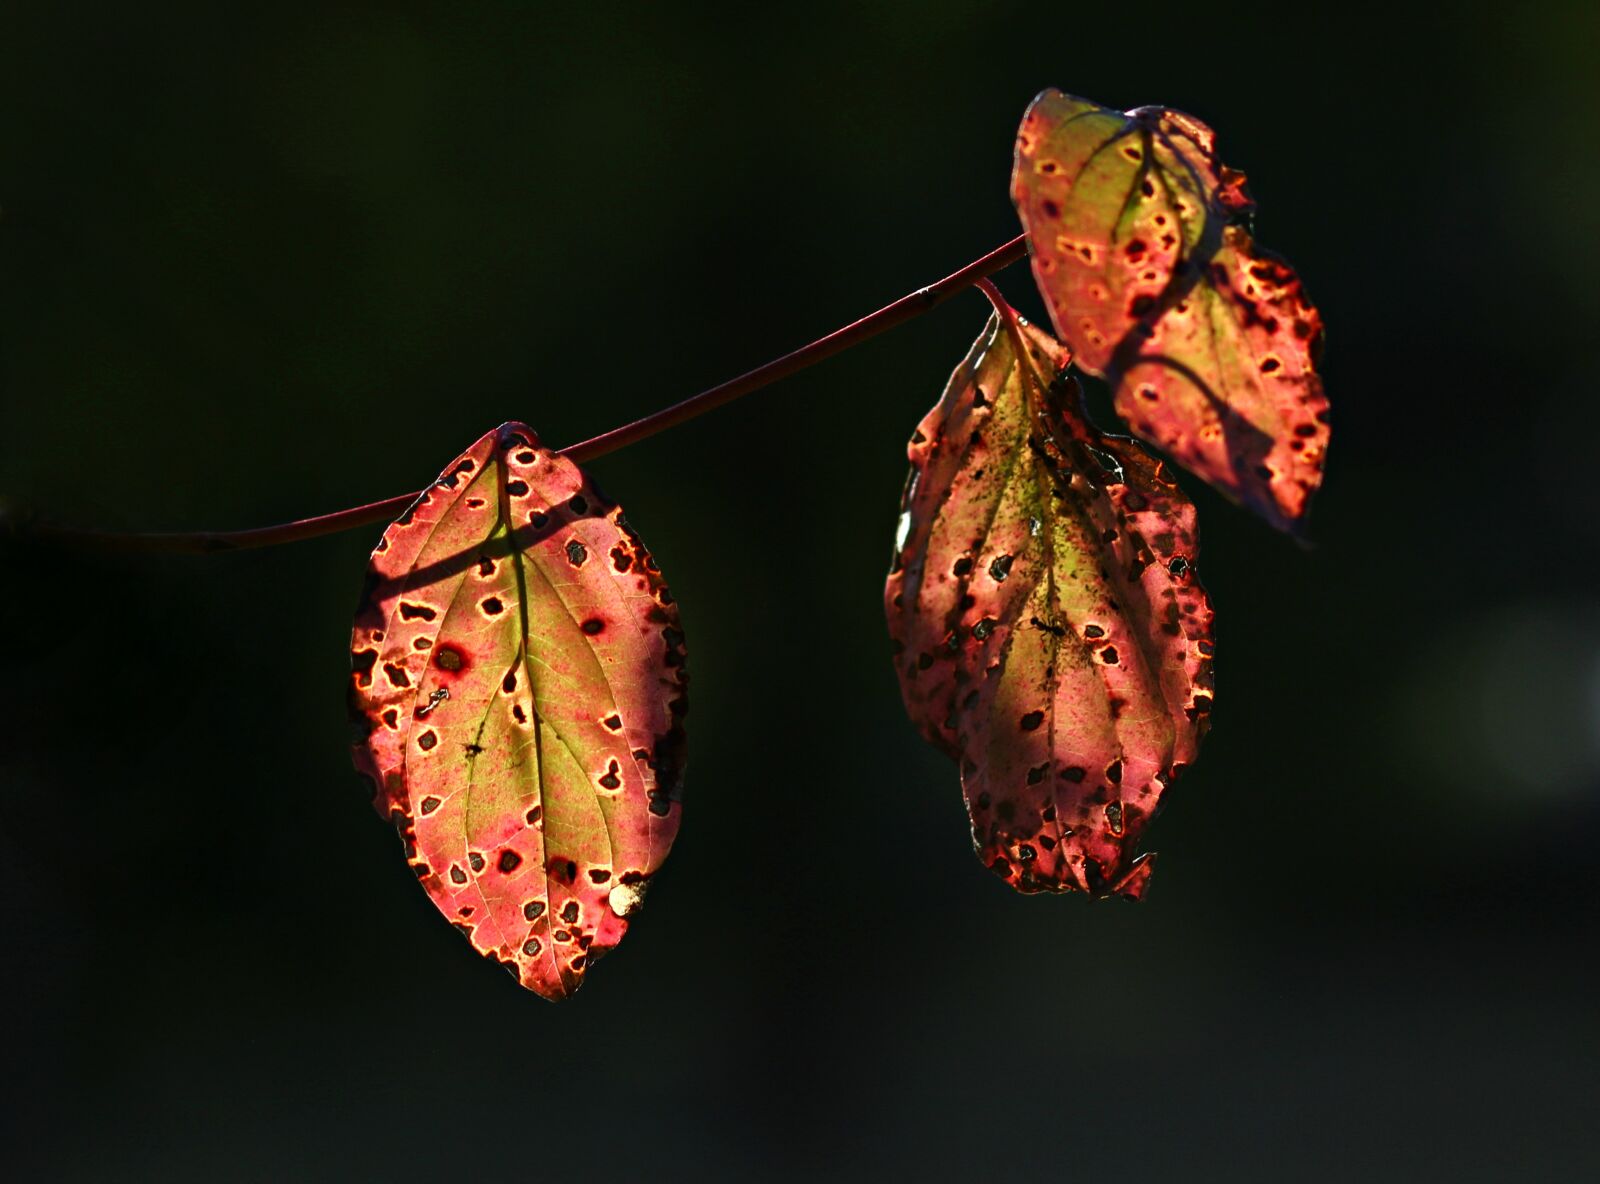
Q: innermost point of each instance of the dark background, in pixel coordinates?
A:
(263, 264)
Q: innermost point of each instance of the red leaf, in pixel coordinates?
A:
(1208, 341)
(518, 671)
(1050, 631)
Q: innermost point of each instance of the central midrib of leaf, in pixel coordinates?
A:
(524, 569)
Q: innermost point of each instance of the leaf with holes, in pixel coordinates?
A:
(1049, 629)
(518, 678)
(1209, 342)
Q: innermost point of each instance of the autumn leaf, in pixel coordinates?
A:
(518, 678)
(1135, 230)
(1049, 629)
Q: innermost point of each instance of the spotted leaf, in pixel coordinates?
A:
(518, 679)
(1049, 629)
(1210, 344)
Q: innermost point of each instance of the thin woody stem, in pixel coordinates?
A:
(901, 311)
(209, 542)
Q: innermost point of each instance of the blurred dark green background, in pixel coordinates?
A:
(261, 264)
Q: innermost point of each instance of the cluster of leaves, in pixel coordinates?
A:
(518, 666)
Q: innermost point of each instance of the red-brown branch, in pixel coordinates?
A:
(208, 542)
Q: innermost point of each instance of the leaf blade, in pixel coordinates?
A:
(518, 668)
(1061, 653)
(1209, 341)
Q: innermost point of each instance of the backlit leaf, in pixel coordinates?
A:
(1135, 232)
(1050, 632)
(518, 678)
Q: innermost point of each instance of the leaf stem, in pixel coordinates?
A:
(211, 541)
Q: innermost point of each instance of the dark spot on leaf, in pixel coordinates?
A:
(1032, 720)
(457, 876)
(516, 488)
(533, 910)
(1114, 772)
(578, 505)
(427, 740)
(1109, 655)
(576, 553)
(532, 946)
(447, 657)
(430, 804)
(509, 861)
(1001, 568)
(492, 606)
(416, 612)
(593, 626)
(361, 663)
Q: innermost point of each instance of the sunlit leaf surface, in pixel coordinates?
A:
(1138, 245)
(1049, 629)
(518, 679)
